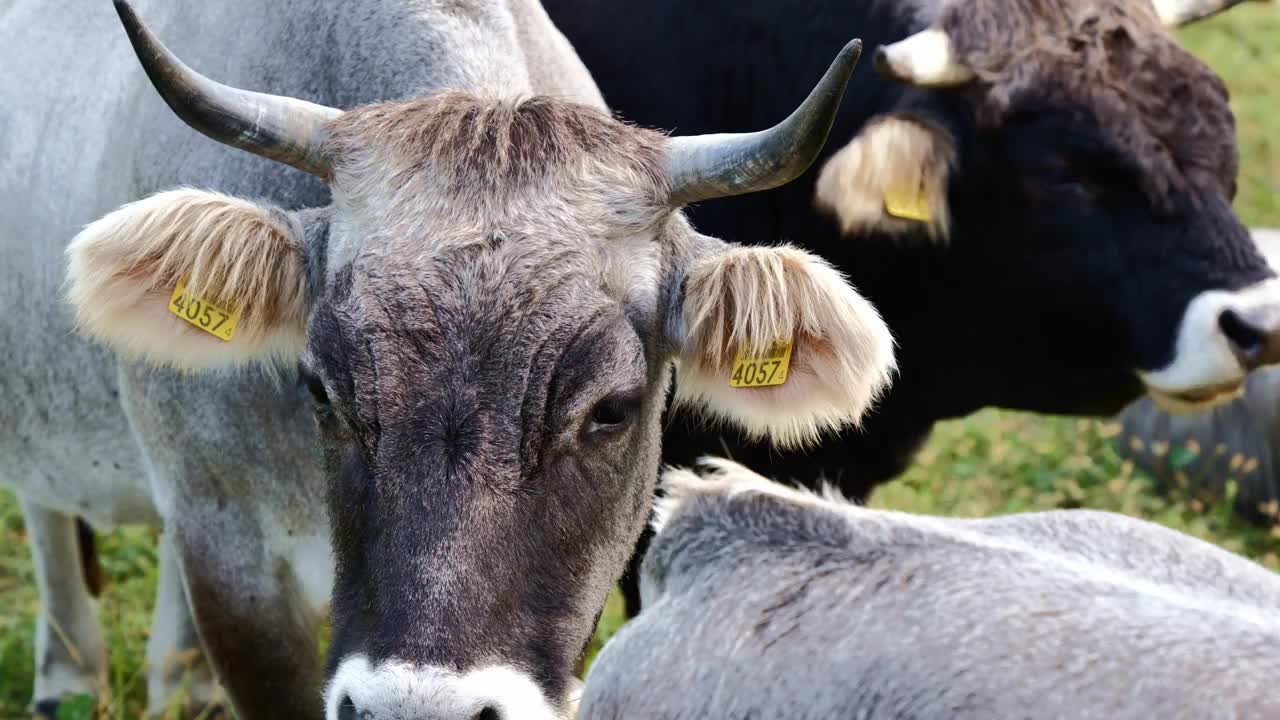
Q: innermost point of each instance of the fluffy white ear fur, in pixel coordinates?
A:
(892, 155)
(842, 356)
(726, 478)
(714, 475)
(234, 253)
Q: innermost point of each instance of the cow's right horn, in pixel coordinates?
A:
(713, 166)
(1176, 13)
(926, 59)
(276, 127)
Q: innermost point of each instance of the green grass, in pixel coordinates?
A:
(1240, 45)
(129, 567)
(991, 463)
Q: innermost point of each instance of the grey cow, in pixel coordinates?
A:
(765, 602)
(419, 380)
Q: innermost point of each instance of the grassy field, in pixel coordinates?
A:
(988, 464)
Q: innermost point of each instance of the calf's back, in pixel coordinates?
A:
(766, 602)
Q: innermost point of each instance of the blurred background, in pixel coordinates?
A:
(990, 463)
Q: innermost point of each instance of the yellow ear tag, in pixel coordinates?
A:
(903, 203)
(763, 370)
(217, 321)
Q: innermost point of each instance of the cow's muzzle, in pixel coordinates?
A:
(1223, 336)
(397, 690)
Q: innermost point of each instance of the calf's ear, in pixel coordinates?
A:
(241, 267)
(777, 342)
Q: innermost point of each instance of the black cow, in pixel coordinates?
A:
(1036, 195)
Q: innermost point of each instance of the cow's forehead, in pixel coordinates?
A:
(528, 191)
(984, 30)
(500, 296)
(1111, 59)
(446, 167)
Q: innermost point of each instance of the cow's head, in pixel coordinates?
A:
(1075, 151)
(487, 316)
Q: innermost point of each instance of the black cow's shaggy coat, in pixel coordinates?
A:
(1092, 166)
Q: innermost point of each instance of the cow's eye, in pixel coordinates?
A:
(1057, 183)
(1075, 187)
(316, 387)
(1095, 177)
(614, 412)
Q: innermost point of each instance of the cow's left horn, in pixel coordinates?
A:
(711, 166)
(281, 128)
(1175, 13)
(926, 59)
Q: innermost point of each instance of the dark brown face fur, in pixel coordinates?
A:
(1149, 96)
(1113, 153)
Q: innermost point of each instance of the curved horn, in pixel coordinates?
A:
(1175, 13)
(925, 59)
(711, 166)
(280, 128)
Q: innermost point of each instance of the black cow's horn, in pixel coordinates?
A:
(281, 128)
(1175, 13)
(711, 166)
(926, 59)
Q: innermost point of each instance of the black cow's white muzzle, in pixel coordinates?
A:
(1223, 336)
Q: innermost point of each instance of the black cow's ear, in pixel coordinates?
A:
(891, 179)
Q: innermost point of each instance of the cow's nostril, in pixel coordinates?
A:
(347, 709)
(1248, 342)
(487, 714)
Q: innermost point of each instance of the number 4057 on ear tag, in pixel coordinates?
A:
(762, 370)
(213, 319)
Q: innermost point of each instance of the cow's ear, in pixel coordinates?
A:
(891, 179)
(194, 280)
(777, 342)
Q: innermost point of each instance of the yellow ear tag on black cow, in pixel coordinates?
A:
(762, 369)
(908, 204)
(213, 319)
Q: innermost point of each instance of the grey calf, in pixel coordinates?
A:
(765, 602)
